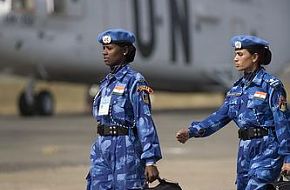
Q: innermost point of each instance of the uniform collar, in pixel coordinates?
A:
(256, 78)
(259, 76)
(119, 73)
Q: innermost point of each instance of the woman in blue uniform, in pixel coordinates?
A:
(127, 148)
(257, 104)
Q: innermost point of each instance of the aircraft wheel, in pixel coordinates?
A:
(45, 103)
(25, 108)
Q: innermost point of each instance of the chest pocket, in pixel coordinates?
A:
(234, 106)
(118, 104)
(260, 108)
(258, 104)
(121, 110)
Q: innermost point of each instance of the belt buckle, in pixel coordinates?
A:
(251, 132)
(113, 131)
(257, 132)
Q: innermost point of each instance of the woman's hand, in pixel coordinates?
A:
(182, 135)
(151, 173)
(286, 169)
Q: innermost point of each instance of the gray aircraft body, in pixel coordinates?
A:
(182, 45)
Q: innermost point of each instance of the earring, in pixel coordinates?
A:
(124, 53)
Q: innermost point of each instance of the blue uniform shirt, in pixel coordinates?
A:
(130, 107)
(262, 103)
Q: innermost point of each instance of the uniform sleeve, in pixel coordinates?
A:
(147, 132)
(281, 119)
(211, 124)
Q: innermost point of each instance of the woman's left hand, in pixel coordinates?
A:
(182, 135)
(286, 169)
(151, 173)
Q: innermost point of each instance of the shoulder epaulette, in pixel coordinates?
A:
(139, 77)
(272, 81)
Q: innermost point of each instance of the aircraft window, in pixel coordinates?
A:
(67, 7)
(52, 7)
(59, 6)
(23, 5)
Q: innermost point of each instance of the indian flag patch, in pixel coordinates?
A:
(119, 89)
(260, 95)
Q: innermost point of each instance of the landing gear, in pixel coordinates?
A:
(44, 103)
(31, 103)
(40, 104)
(26, 107)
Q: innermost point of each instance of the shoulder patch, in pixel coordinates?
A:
(282, 103)
(145, 98)
(145, 88)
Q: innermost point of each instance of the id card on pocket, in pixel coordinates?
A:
(104, 105)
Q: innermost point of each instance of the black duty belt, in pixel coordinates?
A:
(252, 133)
(113, 130)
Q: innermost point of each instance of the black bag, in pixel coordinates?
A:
(165, 185)
(279, 185)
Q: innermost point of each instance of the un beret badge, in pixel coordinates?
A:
(238, 44)
(107, 39)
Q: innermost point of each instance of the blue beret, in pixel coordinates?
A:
(244, 41)
(116, 36)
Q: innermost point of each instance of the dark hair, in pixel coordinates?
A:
(264, 53)
(131, 51)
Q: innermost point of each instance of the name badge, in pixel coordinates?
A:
(104, 105)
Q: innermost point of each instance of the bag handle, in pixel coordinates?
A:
(283, 175)
(160, 180)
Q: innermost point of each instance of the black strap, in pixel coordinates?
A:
(113, 130)
(252, 133)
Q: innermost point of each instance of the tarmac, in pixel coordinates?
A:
(42, 153)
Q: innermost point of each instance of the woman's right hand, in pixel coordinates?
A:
(182, 135)
(151, 173)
